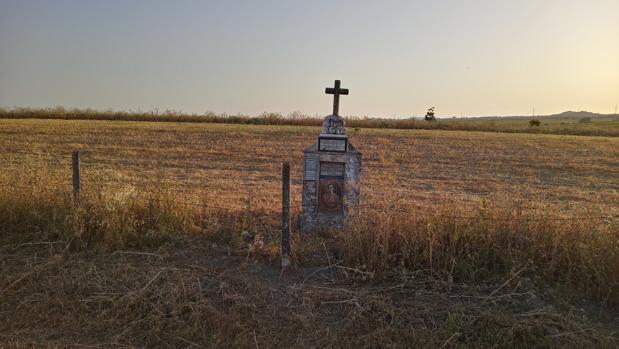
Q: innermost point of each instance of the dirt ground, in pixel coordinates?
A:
(193, 294)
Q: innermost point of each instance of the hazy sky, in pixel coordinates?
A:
(469, 57)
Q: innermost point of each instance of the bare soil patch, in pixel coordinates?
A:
(189, 294)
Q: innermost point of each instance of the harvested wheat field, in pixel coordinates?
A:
(464, 239)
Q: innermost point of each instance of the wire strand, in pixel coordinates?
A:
(206, 205)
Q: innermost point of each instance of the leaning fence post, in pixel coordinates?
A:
(75, 164)
(285, 214)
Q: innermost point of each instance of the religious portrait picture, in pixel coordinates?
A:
(330, 195)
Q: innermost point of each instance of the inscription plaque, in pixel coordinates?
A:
(332, 144)
(332, 170)
(310, 168)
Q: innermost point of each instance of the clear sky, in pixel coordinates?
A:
(473, 57)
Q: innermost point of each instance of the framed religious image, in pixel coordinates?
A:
(330, 195)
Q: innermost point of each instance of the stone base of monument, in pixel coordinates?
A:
(331, 177)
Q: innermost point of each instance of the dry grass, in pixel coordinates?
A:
(228, 164)
(580, 254)
(465, 240)
(192, 296)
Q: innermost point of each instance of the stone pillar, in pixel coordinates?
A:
(331, 178)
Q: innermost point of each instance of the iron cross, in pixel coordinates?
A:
(336, 91)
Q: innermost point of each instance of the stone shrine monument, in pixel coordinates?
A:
(331, 173)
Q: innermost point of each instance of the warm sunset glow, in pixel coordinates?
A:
(397, 57)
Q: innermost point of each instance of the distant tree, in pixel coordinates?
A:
(430, 115)
(534, 122)
(584, 120)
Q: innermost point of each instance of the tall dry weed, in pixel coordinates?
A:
(453, 243)
(578, 253)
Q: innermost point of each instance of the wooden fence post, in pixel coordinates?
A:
(75, 164)
(285, 214)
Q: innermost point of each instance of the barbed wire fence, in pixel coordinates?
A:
(92, 161)
(258, 214)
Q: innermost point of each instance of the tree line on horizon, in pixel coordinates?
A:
(428, 122)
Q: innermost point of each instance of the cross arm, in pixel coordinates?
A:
(331, 91)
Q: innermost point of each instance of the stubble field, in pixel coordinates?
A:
(229, 164)
(465, 239)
